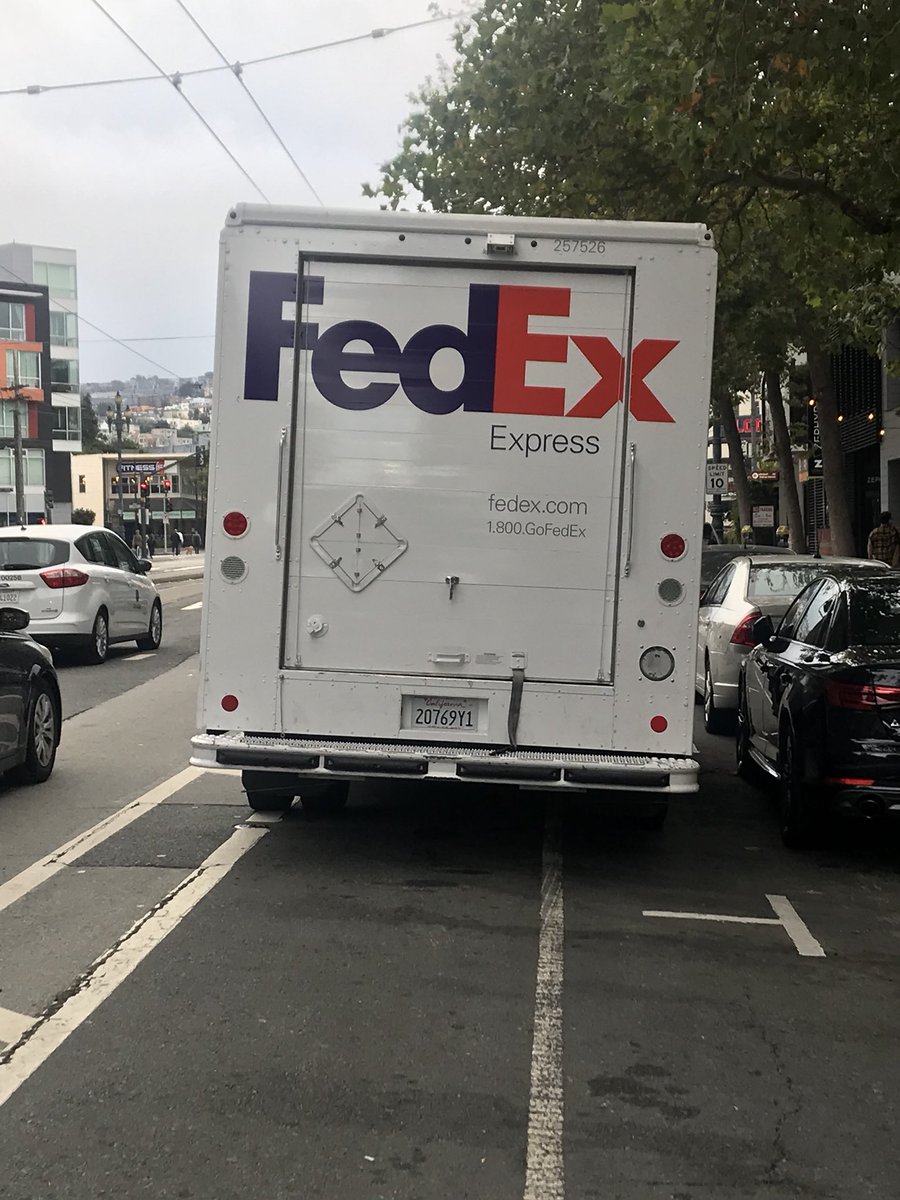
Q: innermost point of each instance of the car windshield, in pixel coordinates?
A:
(875, 616)
(31, 554)
(777, 581)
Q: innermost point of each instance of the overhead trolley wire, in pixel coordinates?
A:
(237, 71)
(176, 83)
(35, 89)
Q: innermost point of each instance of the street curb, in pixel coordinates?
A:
(176, 578)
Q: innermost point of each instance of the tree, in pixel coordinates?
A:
(772, 122)
(92, 440)
(83, 516)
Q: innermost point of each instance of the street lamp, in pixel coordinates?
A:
(118, 420)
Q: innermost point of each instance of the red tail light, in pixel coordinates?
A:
(861, 696)
(63, 577)
(743, 633)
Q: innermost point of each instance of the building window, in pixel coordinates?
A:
(63, 329)
(33, 464)
(23, 369)
(67, 424)
(58, 277)
(7, 420)
(82, 485)
(63, 375)
(12, 322)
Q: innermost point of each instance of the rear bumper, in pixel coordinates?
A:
(342, 759)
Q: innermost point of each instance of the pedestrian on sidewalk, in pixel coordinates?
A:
(177, 541)
(196, 541)
(884, 542)
(151, 544)
(136, 541)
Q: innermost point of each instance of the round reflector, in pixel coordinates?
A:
(235, 524)
(657, 663)
(659, 724)
(229, 703)
(672, 545)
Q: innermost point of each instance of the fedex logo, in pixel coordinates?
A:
(496, 347)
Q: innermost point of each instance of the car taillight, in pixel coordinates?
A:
(63, 577)
(861, 696)
(743, 633)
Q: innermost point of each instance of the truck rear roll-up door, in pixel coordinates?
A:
(457, 470)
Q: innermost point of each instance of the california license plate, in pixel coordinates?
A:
(447, 714)
(9, 598)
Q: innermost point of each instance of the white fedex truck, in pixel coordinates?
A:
(456, 495)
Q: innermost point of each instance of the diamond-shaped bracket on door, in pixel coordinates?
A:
(357, 543)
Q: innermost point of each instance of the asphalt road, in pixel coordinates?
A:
(440, 994)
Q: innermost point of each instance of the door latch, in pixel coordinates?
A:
(451, 582)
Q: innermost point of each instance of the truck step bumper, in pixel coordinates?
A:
(563, 769)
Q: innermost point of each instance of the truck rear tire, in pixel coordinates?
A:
(324, 798)
(264, 793)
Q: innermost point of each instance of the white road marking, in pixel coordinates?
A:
(13, 1024)
(191, 607)
(544, 1167)
(264, 818)
(795, 928)
(693, 916)
(138, 657)
(26, 881)
(112, 968)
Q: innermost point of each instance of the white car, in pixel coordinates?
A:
(81, 586)
(747, 588)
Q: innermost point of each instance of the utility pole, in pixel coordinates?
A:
(21, 515)
(118, 403)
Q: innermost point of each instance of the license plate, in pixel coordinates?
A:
(9, 598)
(445, 714)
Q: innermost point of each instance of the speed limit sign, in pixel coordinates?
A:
(716, 479)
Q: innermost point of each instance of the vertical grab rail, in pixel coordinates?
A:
(632, 456)
(281, 444)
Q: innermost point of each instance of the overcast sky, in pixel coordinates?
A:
(128, 177)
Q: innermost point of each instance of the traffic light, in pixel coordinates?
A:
(199, 456)
(168, 503)
(145, 488)
(167, 484)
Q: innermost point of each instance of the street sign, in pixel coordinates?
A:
(716, 479)
(143, 468)
(763, 516)
(764, 476)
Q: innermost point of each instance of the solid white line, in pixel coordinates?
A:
(795, 928)
(191, 607)
(26, 881)
(138, 657)
(692, 916)
(114, 967)
(544, 1167)
(13, 1024)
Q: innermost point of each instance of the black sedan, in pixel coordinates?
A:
(819, 701)
(30, 710)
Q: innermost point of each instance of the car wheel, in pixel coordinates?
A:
(794, 799)
(98, 643)
(41, 738)
(153, 636)
(324, 799)
(746, 767)
(714, 721)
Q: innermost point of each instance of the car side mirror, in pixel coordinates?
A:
(763, 632)
(13, 619)
(145, 565)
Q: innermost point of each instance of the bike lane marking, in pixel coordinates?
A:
(48, 1032)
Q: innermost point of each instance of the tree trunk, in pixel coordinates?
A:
(822, 379)
(785, 461)
(724, 411)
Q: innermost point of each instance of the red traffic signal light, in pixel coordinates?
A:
(145, 486)
(167, 485)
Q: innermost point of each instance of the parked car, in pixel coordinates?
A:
(749, 587)
(81, 586)
(30, 709)
(715, 556)
(819, 701)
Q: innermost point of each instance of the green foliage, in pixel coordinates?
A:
(83, 516)
(92, 440)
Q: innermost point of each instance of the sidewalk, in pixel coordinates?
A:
(181, 566)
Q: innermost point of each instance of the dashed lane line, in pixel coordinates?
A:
(544, 1165)
(31, 877)
(50, 1031)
